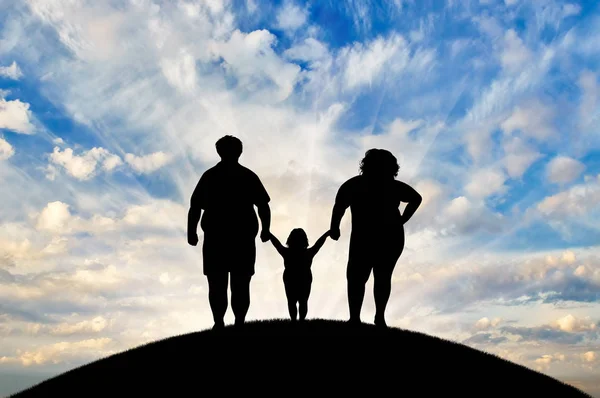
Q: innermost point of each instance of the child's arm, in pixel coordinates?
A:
(277, 245)
(319, 243)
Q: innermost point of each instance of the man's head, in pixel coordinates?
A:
(229, 148)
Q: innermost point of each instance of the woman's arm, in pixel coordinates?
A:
(318, 244)
(278, 246)
(413, 198)
(342, 202)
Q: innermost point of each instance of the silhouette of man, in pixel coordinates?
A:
(377, 238)
(227, 193)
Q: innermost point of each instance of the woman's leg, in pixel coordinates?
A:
(357, 275)
(382, 285)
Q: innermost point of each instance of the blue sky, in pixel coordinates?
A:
(109, 113)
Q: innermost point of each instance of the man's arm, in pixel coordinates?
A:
(196, 204)
(413, 198)
(192, 227)
(264, 213)
(261, 201)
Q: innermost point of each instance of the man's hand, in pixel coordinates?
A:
(265, 236)
(334, 233)
(193, 239)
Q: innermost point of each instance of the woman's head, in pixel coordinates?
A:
(379, 163)
(297, 239)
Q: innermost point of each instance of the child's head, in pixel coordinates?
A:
(297, 239)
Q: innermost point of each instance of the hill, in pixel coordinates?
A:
(318, 357)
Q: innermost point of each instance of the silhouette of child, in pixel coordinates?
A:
(297, 276)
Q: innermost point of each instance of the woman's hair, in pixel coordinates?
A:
(379, 163)
(297, 239)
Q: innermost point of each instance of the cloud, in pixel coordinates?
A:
(519, 157)
(588, 84)
(589, 356)
(11, 72)
(515, 54)
(16, 116)
(147, 163)
(310, 49)
(54, 217)
(251, 59)
(533, 119)
(95, 325)
(577, 201)
(291, 17)
(58, 352)
(486, 182)
(83, 167)
(563, 169)
(485, 323)
(6, 150)
(365, 62)
(251, 6)
(571, 324)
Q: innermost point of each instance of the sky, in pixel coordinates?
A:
(109, 112)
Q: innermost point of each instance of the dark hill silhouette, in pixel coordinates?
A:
(317, 357)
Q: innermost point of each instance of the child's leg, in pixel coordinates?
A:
(303, 309)
(290, 292)
(304, 297)
(292, 309)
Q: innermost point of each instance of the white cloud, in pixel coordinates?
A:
(575, 202)
(571, 324)
(365, 62)
(486, 182)
(479, 143)
(59, 352)
(589, 356)
(95, 325)
(83, 167)
(11, 72)
(515, 54)
(485, 323)
(54, 217)
(291, 17)
(251, 58)
(519, 156)
(147, 163)
(6, 150)
(563, 169)
(310, 49)
(251, 5)
(533, 119)
(181, 72)
(16, 116)
(588, 85)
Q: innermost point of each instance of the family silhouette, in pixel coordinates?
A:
(223, 203)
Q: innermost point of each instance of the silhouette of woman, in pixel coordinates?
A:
(377, 237)
(297, 276)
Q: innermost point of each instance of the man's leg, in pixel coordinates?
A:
(240, 296)
(217, 296)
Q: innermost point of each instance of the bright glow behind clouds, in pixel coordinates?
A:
(109, 114)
